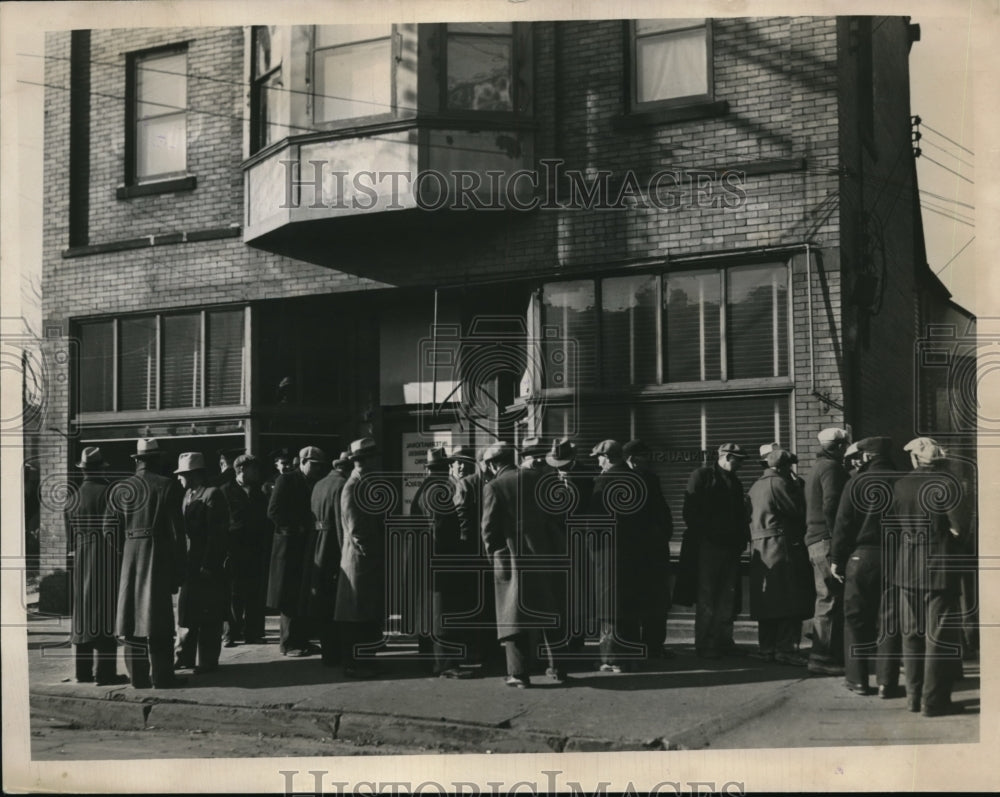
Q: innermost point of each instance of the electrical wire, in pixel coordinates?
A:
(936, 163)
(947, 152)
(973, 238)
(939, 133)
(947, 216)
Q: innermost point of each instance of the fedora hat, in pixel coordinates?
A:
(365, 447)
(437, 456)
(91, 458)
(532, 447)
(610, 448)
(189, 461)
(563, 452)
(463, 453)
(343, 459)
(147, 447)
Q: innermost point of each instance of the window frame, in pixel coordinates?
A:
(258, 83)
(170, 182)
(635, 105)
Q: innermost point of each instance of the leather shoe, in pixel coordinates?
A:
(887, 692)
(518, 682)
(118, 679)
(913, 704)
(204, 668)
(943, 710)
(858, 689)
(455, 673)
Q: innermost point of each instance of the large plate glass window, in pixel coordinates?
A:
(352, 67)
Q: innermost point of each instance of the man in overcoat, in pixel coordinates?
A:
(203, 600)
(294, 535)
(145, 511)
(654, 520)
(360, 608)
(927, 504)
(856, 552)
(780, 577)
(717, 533)
(247, 542)
(96, 553)
(823, 486)
(515, 530)
(324, 568)
(227, 461)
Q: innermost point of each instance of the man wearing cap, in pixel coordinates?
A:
(617, 493)
(656, 524)
(95, 575)
(927, 504)
(452, 593)
(781, 594)
(533, 452)
(823, 486)
(360, 609)
(294, 529)
(145, 511)
(515, 530)
(324, 566)
(247, 540)
(283, 460)
(468, 499)
(715, 513)
(856, 560)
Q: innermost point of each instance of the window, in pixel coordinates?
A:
(569, 337)
(480, 59)
(628, 326)
(163, 362)
(352, 68)
(757, 326)
(671, 61)
(692, 326)
(159, 103)
(269, 100)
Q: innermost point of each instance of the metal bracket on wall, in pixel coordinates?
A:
(825, 398)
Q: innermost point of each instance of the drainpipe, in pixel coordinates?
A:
(809, 305)
(434, 330)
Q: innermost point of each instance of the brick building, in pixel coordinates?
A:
(690, 231)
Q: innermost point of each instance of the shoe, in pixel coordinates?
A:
(887, 692)
(295, 653)
(201, 669)
(85, 680)
(822, 668)
(142, 684)
(517, 682)
(762, 655)
(606, 668)
(944, 710)
(183, 665)
(794, 659)
(117, 679)
(229, 643)
(858, 689)
(360, 673)
(557, 675)
(913, 704)
(456, 673)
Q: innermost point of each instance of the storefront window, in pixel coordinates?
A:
(97, 367)
(757, 321)
(138, 364)
(181, 361)
(569, 338)
(692, 326)
(628, 328)
(224, 375)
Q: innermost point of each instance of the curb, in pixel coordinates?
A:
(117, 712)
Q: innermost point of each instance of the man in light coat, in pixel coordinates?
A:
(324, 567)
(145, 510)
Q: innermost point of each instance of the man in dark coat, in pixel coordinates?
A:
(452, 591)
(203, 599)
(781, 594)
(360, 608)
(857, 560)
(715, 513)
(468, 498)
(246, 543)
(927, 503)
(227, 460)
(620, 578)
(283, 460)
(95, 575)
(145, 510)
(823, 487)
(294, 537)
(324, 568)
(654, 520)
(516, 530)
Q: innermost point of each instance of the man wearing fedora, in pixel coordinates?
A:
(145, 511)
(533, 452)
(718, 530)
(95, 575)
(516, 529)
(451, 591)
(324, 565)
(290, 511)
(202, 602)
(360, 609)
(343, 464)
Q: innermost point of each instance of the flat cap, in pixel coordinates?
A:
(312, 454)
(732, 449)
(635, 448)
(767, 448)
(778, 458)
(610, 448)
(925, 449)
(832, 434)
(852, 451)
(875, 445)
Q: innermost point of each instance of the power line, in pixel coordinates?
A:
(938, 132)
(973, 238)
(927, 157)
(952, 154)
(947, 216)
(949, 211)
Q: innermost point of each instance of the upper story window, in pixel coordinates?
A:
(480, 66)
(268, 98)
(160, 114)
(671, 62)
(163, 362)
(352, 69)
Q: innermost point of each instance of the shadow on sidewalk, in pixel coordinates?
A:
(678, 678)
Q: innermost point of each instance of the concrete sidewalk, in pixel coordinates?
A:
(680, 703)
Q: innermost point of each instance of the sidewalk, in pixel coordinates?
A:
(680, 703)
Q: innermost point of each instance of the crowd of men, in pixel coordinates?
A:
(311, 545)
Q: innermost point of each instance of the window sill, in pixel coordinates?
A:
(662, 116)
(188, 183)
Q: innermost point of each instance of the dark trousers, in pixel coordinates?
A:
(932, 658)
(828, 615)
(329, 640)
(871, 636)
(354, 635)
(200, 644)
(293, 633)
(105, 650)
(778, 635)
(521, 650)
(149, 661)
(654, 630)
(245, 618)
(452, 642)
(718, 576)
